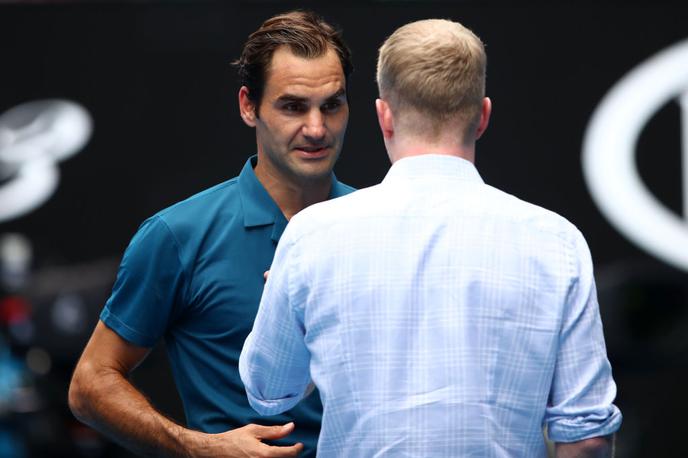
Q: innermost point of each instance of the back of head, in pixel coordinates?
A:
(305, 33)
(431, 73)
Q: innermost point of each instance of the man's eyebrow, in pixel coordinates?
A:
(286, 98)
(290, 98)
(338, 94)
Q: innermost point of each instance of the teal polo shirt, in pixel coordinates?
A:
(193, 275)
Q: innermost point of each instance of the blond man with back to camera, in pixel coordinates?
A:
(437, 315)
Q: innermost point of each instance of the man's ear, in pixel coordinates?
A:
(247, 109)
(485, 113)
(384, 118)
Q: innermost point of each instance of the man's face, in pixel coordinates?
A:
(302, 116)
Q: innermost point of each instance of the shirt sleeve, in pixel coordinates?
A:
(149, 279)
(580, 402)
(274, 363)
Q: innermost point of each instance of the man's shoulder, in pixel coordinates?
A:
(202, 204)
(347, 198)
(345, 207)
(196, 213)
(530, 215)
(219, 192)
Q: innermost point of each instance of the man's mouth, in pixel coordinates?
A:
(313, 151)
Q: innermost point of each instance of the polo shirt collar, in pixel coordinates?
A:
(338, 189)
(258, 207)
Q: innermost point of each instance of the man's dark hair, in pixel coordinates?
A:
(306, 34)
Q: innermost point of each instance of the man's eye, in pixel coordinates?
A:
(293, 107)
(332, 106)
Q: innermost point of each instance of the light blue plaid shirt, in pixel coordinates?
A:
(438, 316)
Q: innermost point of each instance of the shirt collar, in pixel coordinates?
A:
(434, 166)
(258, 207)
(338, 189)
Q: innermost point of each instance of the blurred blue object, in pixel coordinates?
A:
(11, 373)
(11, 377)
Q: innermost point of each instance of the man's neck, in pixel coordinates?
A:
(419, 149)
(403, 144)
(291, 196)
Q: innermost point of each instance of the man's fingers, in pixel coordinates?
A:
(265, 275)
(272, 432)
(277, 451)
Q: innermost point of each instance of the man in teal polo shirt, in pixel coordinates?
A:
(193, 273)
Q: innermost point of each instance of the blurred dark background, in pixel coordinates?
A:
(157, 81)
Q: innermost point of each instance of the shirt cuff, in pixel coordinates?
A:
(578, 428)
(125, 332)
(271, 407)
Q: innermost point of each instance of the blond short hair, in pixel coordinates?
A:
(436, 68)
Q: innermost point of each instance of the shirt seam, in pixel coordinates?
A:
(182, 265)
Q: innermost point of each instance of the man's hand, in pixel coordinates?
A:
(247, 442)
(265, 275)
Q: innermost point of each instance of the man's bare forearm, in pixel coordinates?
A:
(595, 447)
(102, 396)
(108, 402)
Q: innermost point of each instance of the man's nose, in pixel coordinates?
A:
(314, 126)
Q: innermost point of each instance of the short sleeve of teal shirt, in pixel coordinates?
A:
(149, 283)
